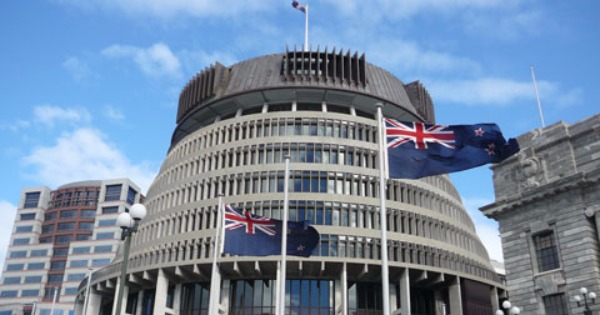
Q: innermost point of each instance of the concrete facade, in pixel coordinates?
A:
(234, 125)
(58, 237)
(551, 189)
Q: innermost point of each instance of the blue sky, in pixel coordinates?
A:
(89, 88)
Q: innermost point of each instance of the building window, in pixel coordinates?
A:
(110, 210)
(27, 216)
(10, 293)
(22, 229)
(12, 280)
(81, 250)
(113, 192)
(100, 262)
(76, 277)
(78, 263)
(14, 267)
(50, 216)
(60, 252)
(555, 304)
(88, 213)
(83, 237)
(103, 249)
(32, 199)
(111, 222)
(68, 214)
(86, 226)
(66, 226)
(21, 241)
(131, 195)
(39, 252)
(63, 239)
(48, 228)
(546, 252)
(58, 265)
(33, 279)
(30, 292)
(105, 236)
(18, 254)
(71, 291)
(55, 278)
(35, 266)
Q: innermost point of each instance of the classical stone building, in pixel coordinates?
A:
(234, 126)
(548, 208)
(58, 237)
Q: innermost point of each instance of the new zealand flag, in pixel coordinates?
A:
(417, 150)
(251, 235)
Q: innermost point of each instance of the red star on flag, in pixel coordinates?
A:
(491, 149)
(479, 132)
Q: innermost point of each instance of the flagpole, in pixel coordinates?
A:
(385, 282)
(537, 97)
(306, 28)
(284, 224)
(215, 278)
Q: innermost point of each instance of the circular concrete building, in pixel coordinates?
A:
(234, 126)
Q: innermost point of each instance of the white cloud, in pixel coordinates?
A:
(50, 115)
(113, 113)
(156, 61)
(16, 125)
(407, 8)
(487, 229)
(178, 8)
(78, 69)
(8, 212)
(82, 155)
(410, 56)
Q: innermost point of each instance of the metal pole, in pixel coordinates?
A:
(34, 308)
(284, 219)
(215, 279)
(87, 292)
(537, 97)
(306, 28)
(127, 233)
(54, 300)
(385, 281)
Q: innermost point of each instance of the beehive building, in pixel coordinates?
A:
(234, 126)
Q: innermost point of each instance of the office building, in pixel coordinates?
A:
(58, 237)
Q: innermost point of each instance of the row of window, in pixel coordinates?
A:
(280, 127)
(35, 293)
(60, 264)
(68, 198)
(322, 213)
(60, 252)
(275, 153)
(69, 214)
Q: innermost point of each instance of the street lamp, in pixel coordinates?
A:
(508, 309)
(129, 224)
(586, 295)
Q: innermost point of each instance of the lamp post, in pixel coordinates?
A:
(129, 224)
(586, 295)
(508, 309)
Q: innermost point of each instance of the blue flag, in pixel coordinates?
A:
(417, 150)
(251, 235)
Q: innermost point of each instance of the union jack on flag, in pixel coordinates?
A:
(399, 133)
(234, 219)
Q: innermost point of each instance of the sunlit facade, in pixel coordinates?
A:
(58, 237)
(235, 124)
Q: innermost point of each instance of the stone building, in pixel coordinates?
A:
(548, 208)
(234, 126)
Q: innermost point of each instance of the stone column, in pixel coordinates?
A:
(160, 297)
(455, 298)
(93, 302)
(495, 299)
(344, 280)
(405, 292)
(115, 298)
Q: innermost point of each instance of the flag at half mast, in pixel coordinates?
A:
(416, 149)
(247, 234)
